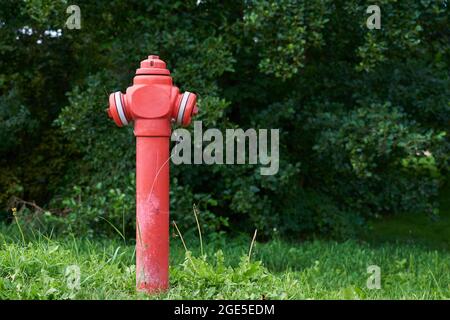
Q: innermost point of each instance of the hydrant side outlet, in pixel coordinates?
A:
(152, 103)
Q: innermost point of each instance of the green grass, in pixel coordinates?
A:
(309, 270)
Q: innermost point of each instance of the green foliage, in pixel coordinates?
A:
(282, 31)
(216, 280)
(15, 119)
(363, 114)
(319, 215)
(369, 146)
(92, 215)
(429, 230)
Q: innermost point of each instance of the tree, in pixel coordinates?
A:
(363, 113)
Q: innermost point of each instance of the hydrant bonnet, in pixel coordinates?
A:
(146, 97)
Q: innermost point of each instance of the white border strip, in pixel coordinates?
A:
(182, 108)
(120, 108)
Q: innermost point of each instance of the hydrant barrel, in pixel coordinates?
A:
(152, 213)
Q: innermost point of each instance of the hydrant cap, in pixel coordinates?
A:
(117, 109)
(153, 65)
(186, 108)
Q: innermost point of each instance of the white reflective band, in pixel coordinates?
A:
(183, 104)
(120, 108)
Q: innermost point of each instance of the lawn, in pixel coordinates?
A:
(43, 269)
(410, 250)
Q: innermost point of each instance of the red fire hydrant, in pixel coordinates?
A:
(153, 103)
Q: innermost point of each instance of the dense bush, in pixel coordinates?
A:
(363, 114)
